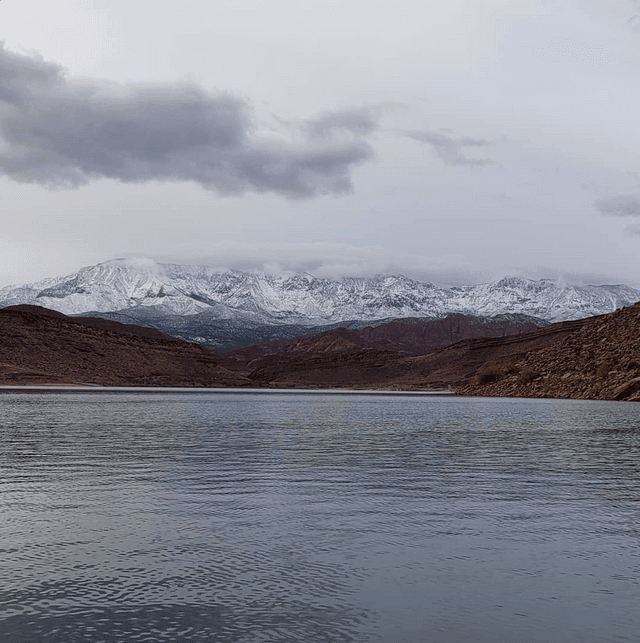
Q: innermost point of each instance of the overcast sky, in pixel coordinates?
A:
(455, 142)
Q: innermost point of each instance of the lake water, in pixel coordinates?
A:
(244, 517)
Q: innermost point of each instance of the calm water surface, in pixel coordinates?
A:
(228, 517)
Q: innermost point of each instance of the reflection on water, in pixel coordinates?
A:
(226, 517)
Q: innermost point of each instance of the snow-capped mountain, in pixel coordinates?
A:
(171, 289)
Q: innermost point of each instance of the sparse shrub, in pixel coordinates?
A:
(632, 365)
(509, 367)
(490, 374)
(603, 369)
(527, 375)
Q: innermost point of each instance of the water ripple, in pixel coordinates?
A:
(229, 517)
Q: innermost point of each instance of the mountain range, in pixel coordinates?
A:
(232, 308)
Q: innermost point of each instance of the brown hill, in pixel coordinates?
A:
(363, 358)
(40, 346)
(411, 336)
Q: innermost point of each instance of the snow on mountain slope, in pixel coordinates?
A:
(303, 299)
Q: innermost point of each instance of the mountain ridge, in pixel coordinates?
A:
(122, 285)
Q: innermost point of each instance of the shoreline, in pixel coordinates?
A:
(94, 388)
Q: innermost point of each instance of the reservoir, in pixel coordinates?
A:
(246, 517)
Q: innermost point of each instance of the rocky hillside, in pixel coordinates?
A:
(600, 360)
(595, 358)
(39, 346)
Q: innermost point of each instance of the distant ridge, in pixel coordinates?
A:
(94, 322)
(361, 357)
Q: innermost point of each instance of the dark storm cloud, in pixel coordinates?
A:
(449, 149)
(619, 206)
(64, 134)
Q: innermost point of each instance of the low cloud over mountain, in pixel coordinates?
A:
(65, 133)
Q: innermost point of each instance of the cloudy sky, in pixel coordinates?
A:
(453, 142)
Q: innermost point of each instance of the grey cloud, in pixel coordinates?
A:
(634, 22)
(323, 259)
(478, 142)
(633, 230)
(449, 149)
(65, 133)
(358, 122)
(619, 206)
